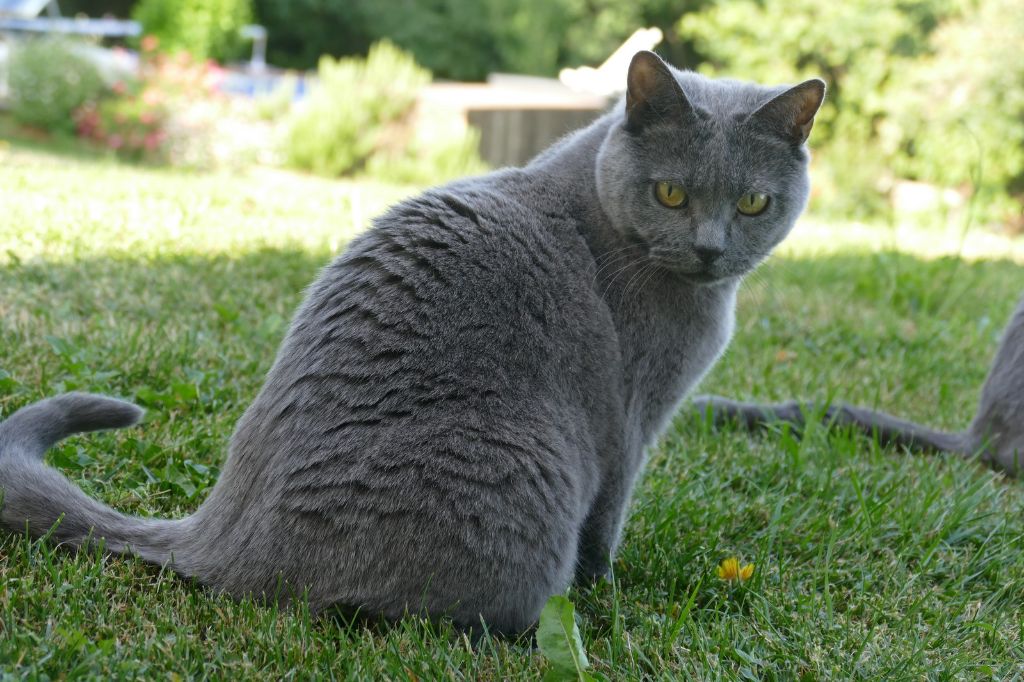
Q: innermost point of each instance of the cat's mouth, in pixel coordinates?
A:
(706, 279)
(703, 276)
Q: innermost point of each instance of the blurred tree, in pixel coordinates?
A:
(459, 39)
(929, 90)
(97, 8)
(203, 28)
(860, 47)
(301, 31)
(594, 28)
(958, 117)
(468, 39)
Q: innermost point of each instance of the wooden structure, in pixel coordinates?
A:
(517, 116)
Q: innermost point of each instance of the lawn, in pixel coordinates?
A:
(174, 289)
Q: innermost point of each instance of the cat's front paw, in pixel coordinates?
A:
(592, 567)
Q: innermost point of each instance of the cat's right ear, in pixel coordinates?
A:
(792, 112)
(653, 94)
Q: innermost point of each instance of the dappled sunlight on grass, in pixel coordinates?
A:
(888, 330)
(814, 236)
(60, 209)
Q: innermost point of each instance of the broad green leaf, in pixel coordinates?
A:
(185, 392)
(8, 384)
(559, 640)
(150, 398)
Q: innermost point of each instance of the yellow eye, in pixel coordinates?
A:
(752, 203)
(670, 194)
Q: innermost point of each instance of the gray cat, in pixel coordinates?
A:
(456, 418)
(996, 436)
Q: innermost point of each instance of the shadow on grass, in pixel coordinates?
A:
(220, 307)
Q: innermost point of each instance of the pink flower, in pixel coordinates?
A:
(115, 141)
(149, 43)
(152, 141)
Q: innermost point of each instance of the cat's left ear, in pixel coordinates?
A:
(653, 94)
(791, 114)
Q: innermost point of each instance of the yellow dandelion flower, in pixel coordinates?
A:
(730, 569)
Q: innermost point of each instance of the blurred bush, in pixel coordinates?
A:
(925, 90)
(340, 124)
(48, 81)
(359, 117)
(923, 94)
(958, 115)
(206, 29)
(431, 147)
(172, 113)
(275, 105)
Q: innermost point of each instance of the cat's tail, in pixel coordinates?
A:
(39, 498)
(887, 429)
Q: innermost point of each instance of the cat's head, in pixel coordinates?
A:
(708, 175)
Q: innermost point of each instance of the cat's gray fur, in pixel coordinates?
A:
(456, 418)
(995, 436)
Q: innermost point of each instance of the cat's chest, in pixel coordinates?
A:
(670, 341)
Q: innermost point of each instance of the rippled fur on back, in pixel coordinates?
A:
(457, 416)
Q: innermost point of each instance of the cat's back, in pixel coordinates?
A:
(435, 406)
(999, 424)
(463, 266)
(464, 309)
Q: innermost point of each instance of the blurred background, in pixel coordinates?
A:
(924, 121)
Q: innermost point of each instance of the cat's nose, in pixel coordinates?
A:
(708, 254)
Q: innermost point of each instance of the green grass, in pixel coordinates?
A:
(175, 289)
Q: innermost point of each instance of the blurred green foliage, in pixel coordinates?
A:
(48, 81)
(341, 123)
(98, 8)
(922, 90)
(927, 90)
(359, 118)
(299, 32)
(919, 90)
(960, 117)
(203, 28)
(432, 148)
(468, 39)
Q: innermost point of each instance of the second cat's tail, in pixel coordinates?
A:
(39, 498)
(888, 429)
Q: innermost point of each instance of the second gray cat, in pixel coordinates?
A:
(995, 435)
(456, 418)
